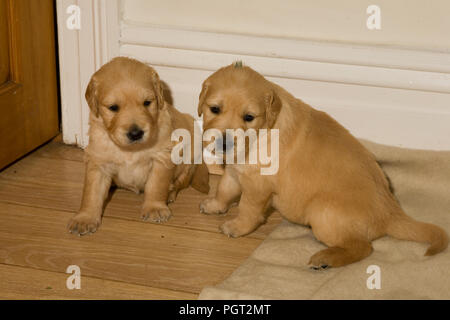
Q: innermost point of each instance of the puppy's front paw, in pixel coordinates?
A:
(83, 223)
(212, 206)
(157, 214)
(232, 228)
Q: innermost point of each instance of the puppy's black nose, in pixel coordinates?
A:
(224, 144)
(135, 133)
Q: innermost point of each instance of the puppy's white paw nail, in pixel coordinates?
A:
(172, 197)
(202, 209)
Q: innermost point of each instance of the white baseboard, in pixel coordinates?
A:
(391, 96)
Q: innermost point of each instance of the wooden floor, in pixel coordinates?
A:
(126, 258)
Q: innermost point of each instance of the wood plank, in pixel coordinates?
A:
(26, 283)
(160, 256)
(46, 171)
(59, 150)
(55, 183)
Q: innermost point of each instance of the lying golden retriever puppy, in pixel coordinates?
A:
(130, 144)
(326, 178)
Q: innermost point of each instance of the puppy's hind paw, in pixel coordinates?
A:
(321, 260)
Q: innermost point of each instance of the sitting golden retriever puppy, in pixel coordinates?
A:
(326, 178)
(130, 144)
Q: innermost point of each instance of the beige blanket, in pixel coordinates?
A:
(277, 268)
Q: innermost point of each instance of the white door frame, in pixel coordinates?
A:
(81, 53)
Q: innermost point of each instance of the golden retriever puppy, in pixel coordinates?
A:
(130, 144)
(326, 178)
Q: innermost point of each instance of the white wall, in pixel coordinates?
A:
(419, 24)
(391, 86)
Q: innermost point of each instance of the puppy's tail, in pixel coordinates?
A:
(406, 228)
(200, 179)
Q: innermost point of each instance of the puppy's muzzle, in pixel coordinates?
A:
(135, 133)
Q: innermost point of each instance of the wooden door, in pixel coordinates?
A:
(28, 87)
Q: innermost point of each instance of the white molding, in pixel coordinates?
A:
(290, 58)
(295, 69)
(81, 53)
(392, 96)
(285, 48)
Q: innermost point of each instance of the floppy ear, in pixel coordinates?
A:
(91, 96)
(273, 107)
(157, 87)
(201, 98)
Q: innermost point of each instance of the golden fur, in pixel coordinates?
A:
(326, 178)
(142, 165)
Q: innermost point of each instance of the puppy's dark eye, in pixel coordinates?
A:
(114, 108)
(147, 103)
(215, 109)
(248, 118)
